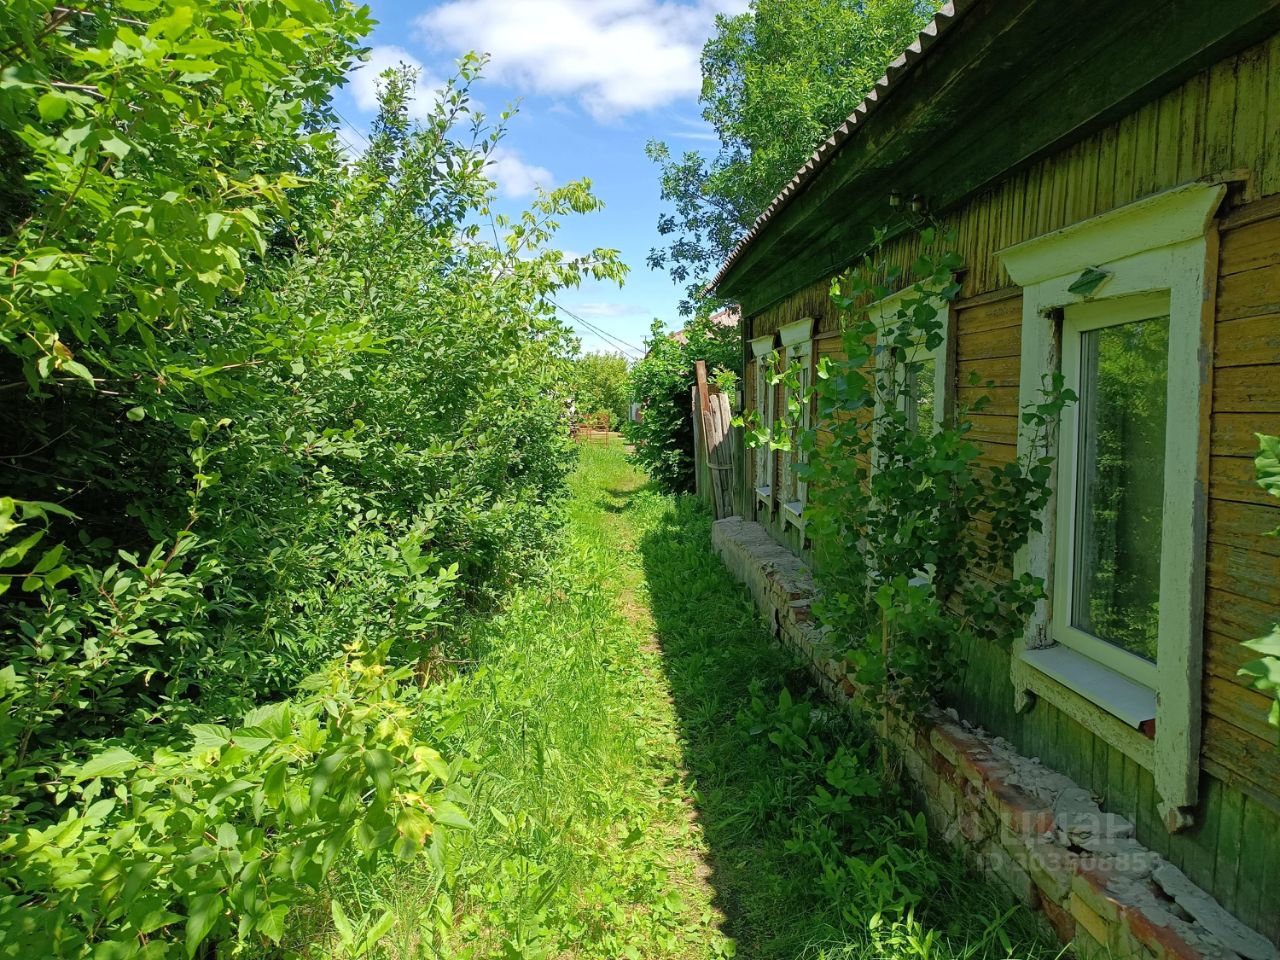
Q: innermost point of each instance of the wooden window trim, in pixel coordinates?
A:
(1165, 244)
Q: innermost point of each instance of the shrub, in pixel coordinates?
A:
(277, 420)
(661, 382)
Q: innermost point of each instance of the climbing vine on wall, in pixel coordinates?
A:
(914, 532)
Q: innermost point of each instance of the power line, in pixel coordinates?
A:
(604, 334)
(352, 127)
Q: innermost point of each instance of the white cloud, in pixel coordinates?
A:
(615, 56)
(365, 82)
(514, 177)
(606, 310)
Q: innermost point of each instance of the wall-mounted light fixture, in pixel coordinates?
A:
(895, 200)
(917, 203)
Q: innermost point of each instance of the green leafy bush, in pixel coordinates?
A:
(277, 422)
(661, 382)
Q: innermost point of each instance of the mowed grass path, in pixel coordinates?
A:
(649, 773)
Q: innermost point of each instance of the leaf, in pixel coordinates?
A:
(215, 223)
(208, 736)
(202, 914)
(135, 413)
(451, 815)
(115, 146)
(342, 923)
(52, 106)
(109, 763)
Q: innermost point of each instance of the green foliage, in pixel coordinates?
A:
(278, 422)
(775, 81)
(223, 836)
(1265, 671)
(601, 382)
(906, 493)
(661, 382)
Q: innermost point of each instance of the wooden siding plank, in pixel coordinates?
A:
(1230, 820)
(1253, 341)
(1236, 617)
(1245, 526)
(1234, 434)
(1235, 478)
(988, 344)
(1243, 708)
(1191, 141)
(1251, 761)
(1250, 293)
(1247, 390)
(1255, 865)
(1233, 567)
(1105, 175)
(1269, 175)
(1220, 116)
(1249, 129)
(1126, 147)
(1251, 246)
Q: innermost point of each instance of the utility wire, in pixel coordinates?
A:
(352, 127)
(604, 334)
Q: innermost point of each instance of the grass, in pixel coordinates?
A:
(653, 778)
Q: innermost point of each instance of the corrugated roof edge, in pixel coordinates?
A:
(945, 18)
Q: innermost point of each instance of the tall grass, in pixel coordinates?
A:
(653, 777)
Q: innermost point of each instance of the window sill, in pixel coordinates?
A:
(1130, 702)
(793, 513)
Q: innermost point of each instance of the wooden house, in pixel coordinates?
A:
(1140, 139)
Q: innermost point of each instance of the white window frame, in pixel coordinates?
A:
(797, 346)
(1164, 246)
(883, 313)
(762, 350)
(1180, 434)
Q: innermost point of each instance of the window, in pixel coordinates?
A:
(1119, 304)
(797, 350)
(924, 398)
(1115, 355)
(763, 353)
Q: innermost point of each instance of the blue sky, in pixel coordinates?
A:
(596, 80)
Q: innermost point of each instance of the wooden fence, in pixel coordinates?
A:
(714, 445)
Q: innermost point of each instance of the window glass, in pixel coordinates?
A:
(1120, 484)
(921, 375)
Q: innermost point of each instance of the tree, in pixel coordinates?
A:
(661, 382)
(775, 81)
(601, 382)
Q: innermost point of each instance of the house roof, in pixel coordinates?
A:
(728, 317)
(988, 88)
(828, 148)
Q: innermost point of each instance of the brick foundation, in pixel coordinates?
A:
(1034, 830)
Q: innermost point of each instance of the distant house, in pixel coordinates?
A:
(728, 317)
(1140, 139)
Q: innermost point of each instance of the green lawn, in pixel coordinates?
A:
(653, 777)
